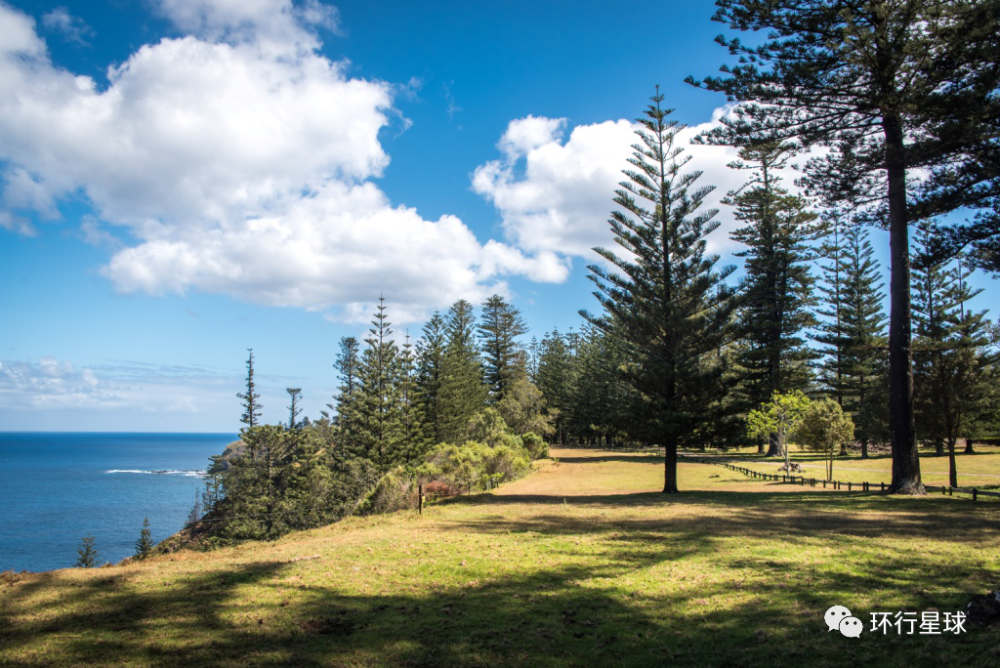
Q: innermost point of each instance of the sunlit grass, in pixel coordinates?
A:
(583, 563)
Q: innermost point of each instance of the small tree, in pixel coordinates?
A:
(824, 426)
(195, 513)
(251, 403)
(144, 545)
(780, 417)
(293, 409)
(87, 552)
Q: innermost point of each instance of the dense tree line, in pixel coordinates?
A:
(454, 412)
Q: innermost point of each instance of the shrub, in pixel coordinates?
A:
(535, 445)
(394, 491)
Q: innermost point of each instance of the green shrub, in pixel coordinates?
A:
(535, 445)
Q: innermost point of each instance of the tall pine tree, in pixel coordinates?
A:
(430, 366)
(378, 405)
(775, 294)
(953, 367)
(664, 295)
(505, 359)
(463, 393)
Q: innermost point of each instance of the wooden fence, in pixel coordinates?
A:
(843, 486)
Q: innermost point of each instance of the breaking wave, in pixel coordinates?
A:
(190, 474)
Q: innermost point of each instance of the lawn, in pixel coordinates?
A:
(582, 563)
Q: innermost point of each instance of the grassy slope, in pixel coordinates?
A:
(582, 563)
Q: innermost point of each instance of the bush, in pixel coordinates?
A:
(394, 491)
(535, 445)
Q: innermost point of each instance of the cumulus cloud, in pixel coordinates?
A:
(240, 161)
(555, 194)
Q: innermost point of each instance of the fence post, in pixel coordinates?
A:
(883, 486)
(824, 484)
(973, 493)
(949, 490)
(848, 486)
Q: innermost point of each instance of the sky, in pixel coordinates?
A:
(181, 180)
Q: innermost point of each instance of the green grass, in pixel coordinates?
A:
(583, 563)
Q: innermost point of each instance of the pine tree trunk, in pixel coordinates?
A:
(952, 470)
(843, 450)
(864, 448)
(670, 469)
(968, 447)
(939, 447)
(902, 429)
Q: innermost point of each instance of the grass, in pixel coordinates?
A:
(582, 563)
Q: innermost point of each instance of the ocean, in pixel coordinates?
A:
(56, 488)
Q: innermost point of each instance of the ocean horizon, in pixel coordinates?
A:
(56, 487)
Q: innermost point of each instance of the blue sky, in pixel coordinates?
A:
(186, 179)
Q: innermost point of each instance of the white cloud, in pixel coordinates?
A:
(240, 160)
(556, 195)
(274, 26)
(50, 383)
(72, 27)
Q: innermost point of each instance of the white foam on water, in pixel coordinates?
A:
(189, 474)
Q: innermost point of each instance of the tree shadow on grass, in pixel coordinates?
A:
(573, 615)
(734, 513)
(638, 458)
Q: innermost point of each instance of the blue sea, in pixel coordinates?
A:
(56, 488)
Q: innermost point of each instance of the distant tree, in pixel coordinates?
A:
(775, 295)
(462, 390)
(348, 366)
(195, 513)
(87, 553)
(556, 379)
(379, 408)
(855, 338)
(144, 545)
(505, 359)
(831, 304)
(534, 355)
(823, 427)
(293, 408)
(413, 445)
(523, 408)
(430, 352)
(664, 295)
(954, 369)
(779, 416)
(251, 400)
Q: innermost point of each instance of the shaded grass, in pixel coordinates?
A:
(583, 563)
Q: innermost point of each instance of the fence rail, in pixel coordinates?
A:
(839, 485)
